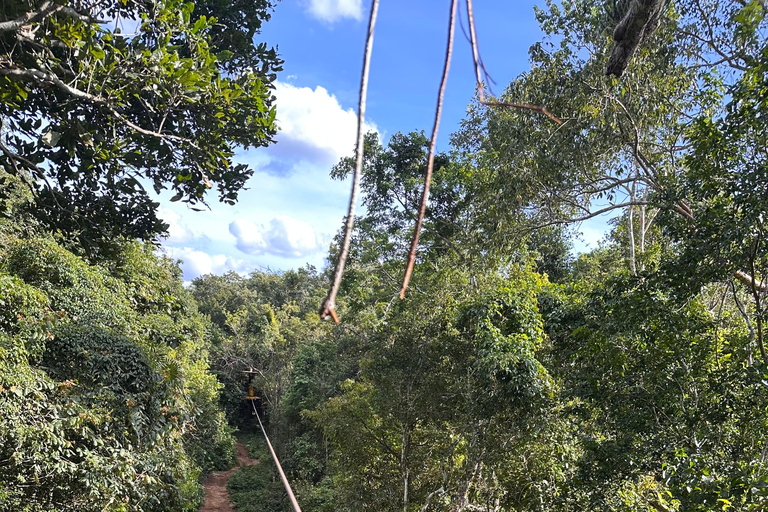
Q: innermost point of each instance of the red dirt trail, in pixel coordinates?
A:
(216, 497)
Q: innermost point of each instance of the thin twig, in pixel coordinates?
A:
(329, 304)
(587, 216)
(431, 159)
(478, 76)
(523, 106)
(747, 279)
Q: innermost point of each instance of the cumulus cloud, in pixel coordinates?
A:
(178, 231)
(196, 263)
(314, 127)
(334, 10)
(281, 236)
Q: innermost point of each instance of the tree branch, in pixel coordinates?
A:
(327, 308)
(756, 297)
(36, 75)
(431, 159)
(746, 279)
(46, 9)
(589, 215)
(481, 96)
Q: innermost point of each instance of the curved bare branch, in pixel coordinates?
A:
(327, 308)
(480, 92)
(431, 159)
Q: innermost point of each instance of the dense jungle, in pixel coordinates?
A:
(517, 374)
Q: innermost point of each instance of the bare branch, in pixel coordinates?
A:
(431, 158)
(746, 279)
(327, 308)
(589, 215)
(524, 106)
(631, 226)
(81, 17)
(481, 96)
(46, 9)
(732, 60)
(756, 297)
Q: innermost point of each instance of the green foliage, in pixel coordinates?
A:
(166, 106)
(727, 183)
(632, 378)
(259, 323)
(451, 370)
(391, 181)
(98, 410)
(258, 488)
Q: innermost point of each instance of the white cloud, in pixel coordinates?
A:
(282, 236)
(178, 232)
(292, 206)
(197, 263)
(334, 10)
(314, 127)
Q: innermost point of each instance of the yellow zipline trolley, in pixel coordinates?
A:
(251, 393)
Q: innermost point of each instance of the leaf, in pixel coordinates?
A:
(224, 55)
(51, 138)
(98, 53)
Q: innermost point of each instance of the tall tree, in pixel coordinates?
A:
(99, 99)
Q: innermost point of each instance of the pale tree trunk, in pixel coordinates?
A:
(631, 229)
(475, 463)
(643, 229)
(631, 226)
(756, 295)
(404, 468)
(462, 500)
(425, 507)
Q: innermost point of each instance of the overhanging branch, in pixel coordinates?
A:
(46, 9)
(327, 308)
(431, 158)
(481, 96)
(35, 75)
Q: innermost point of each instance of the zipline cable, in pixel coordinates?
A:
(277, 462)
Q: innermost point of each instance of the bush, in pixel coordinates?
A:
(258, 488)
(106, 400)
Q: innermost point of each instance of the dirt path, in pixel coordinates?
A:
(216, 497)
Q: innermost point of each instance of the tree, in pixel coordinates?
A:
(449, 401)
(727, 188)
(91, 115)
(624, 141)
(390, 181)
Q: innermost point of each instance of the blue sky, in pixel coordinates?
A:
(292, 209)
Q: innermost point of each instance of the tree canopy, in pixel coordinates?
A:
(100, 100)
